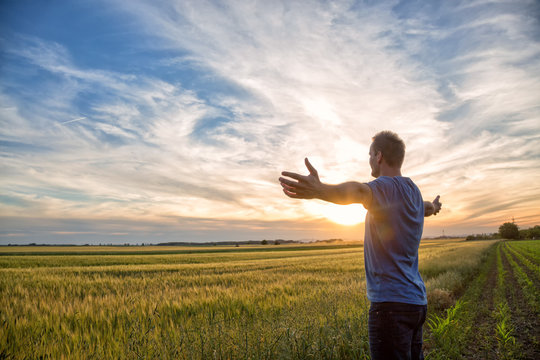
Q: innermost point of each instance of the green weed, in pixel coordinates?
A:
(444, 330)
(504, 332)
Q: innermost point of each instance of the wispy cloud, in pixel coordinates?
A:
(73, 120)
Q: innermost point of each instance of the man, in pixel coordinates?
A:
(394, 225)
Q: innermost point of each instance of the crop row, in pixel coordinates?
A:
(524, 258)
(529, 288)
(503, 297)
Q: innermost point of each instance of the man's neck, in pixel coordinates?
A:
(390, 171)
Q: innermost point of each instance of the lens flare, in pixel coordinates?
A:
(348, 215)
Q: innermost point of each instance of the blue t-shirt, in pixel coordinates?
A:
(394, 225)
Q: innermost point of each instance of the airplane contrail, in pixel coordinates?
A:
(69, 121)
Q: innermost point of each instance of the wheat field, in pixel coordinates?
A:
(215, 302)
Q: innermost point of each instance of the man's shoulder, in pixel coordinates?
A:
(397, 187)
(392, 180)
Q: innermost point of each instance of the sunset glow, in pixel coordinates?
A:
(340, 214)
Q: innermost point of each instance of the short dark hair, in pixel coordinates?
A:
(391, 146)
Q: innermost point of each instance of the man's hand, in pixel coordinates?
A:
(306, 187)
(433, 207)
(437, 205)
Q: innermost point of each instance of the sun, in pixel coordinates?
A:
(348, 215)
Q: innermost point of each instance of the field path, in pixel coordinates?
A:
(483, 344)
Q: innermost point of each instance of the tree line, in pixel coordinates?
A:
(509, 230)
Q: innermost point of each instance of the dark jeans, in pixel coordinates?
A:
(395, 330)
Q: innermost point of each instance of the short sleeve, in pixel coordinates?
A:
(382, 193)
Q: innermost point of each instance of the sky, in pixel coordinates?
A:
(154, 121)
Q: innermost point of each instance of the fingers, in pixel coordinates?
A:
(312, 171)
(302, 187)
(293, 175)
(295, 190)
(290, 183)
(297, 194)
(437, 204)
(291, 194)
(290, 188)
(310, 167)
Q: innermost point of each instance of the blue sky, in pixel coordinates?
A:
(149, 121)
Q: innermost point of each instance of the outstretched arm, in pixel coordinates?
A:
(432, 207)
(310, 187)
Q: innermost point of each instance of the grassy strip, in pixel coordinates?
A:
(449, 334)
(53, 261)
(156, 250)
(446, 277)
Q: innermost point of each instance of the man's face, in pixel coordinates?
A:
(374, 163)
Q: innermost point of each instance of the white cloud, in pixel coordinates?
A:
(310, 79)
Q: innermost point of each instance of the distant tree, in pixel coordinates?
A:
(276, 242)
(509, 230)
(534, 232)
(264, 242)
(483, 236)
(530, 233)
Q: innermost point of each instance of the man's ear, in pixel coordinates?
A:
(379, 157)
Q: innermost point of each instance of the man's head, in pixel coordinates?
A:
(386, 147)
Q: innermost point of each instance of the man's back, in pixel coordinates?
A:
(394, 225)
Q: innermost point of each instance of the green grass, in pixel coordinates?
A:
(257, 302)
